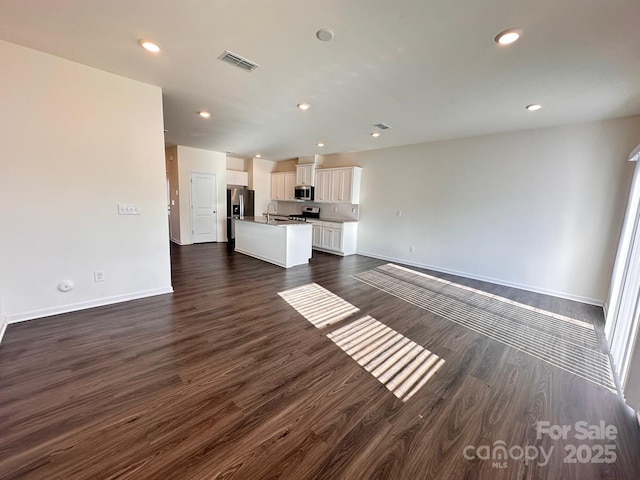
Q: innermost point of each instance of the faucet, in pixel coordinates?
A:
(275, 210)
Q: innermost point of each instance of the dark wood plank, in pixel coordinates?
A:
(225, 380)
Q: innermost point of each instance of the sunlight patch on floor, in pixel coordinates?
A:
(318, 305)
(521, 306)
(398, 363)
(568, 344)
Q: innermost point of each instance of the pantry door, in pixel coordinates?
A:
(204, 217)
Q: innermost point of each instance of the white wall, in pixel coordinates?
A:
(201, 161)
(262, 183)
(238, 164)
(286, 165)
(75, 142)
(541, 209)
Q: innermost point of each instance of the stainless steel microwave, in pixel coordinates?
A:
(303, 192)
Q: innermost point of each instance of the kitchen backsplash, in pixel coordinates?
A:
(328, 211)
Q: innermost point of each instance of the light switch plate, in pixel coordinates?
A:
(128, 209)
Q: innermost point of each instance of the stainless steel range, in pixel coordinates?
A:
(307, 212)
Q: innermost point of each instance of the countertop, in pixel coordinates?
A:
(322, 219)
(273, 222)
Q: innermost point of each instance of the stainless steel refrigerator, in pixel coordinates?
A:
(240, 203)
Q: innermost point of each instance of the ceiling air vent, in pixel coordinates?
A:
(381, 126)
(238, 61)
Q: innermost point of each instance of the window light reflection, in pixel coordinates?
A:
(318, 305)
(400, 364)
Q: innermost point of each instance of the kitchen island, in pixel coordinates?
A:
(281, 242)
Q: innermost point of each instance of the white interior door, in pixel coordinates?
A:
(203, 207)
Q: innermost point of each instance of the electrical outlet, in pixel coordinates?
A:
(412, 249)
(335, 209)
(98, 276)
(398, 213)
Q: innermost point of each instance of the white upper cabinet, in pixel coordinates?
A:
(289, 186)
(305, 174)
(323, 186)
(283, 186)
(235, 177)
(342, 184)
(338, 185)
(277, 187)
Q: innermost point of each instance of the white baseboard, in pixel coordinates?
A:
(178, 242)
(529, 288)
(3, 326)
(47, 312)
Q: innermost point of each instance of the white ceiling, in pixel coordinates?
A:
(428, 68)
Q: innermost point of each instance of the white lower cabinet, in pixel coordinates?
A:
(316, 236)
(335, 237)
(331, 239)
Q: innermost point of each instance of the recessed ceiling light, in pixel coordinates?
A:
(149, 45)
(304, 106)
(324, 34)
(507, 37)
(375, 134)
(258, 155)
(204, 114)
(319, 144)
(533, 107)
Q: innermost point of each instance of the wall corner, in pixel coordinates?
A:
(3, 322)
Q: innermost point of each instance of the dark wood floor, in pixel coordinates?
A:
(223, 379)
